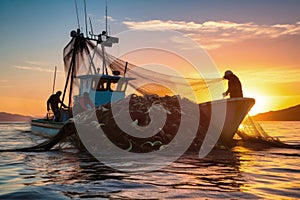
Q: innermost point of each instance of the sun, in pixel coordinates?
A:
(261, 102)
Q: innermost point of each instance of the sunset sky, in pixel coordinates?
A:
(258, 40)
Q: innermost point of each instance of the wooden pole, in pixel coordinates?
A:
(54, 79)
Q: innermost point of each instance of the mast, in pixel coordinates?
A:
(54, 78)
(85, 18)
(80, 44)
(71, 70)
(102, 43)
(77, 14)
(103, 59)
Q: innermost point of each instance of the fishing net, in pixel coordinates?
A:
(83, 56)
(251, 131)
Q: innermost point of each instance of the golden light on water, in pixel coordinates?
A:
(263, 173)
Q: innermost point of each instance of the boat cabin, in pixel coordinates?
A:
(103, 88)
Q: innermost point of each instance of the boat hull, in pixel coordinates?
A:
(220, 118)
(228, 123)
(46, 128)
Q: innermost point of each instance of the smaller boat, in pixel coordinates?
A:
(46, 127)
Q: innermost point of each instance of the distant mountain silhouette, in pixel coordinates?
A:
(288, 114)
(8, 117)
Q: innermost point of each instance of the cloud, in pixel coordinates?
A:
(127, 18)
(6, 86)
(36, 69)
(109, 18)
(287, 75)
(36, 63)
(213, 34)
(39, 66)
(3, 84)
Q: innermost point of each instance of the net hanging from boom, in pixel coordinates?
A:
(82, 57)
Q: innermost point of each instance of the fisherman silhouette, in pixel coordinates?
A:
(53, 102)
(234, 85)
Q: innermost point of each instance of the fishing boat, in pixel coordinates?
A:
(90, 69)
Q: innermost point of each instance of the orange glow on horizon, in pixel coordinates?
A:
(23, 106)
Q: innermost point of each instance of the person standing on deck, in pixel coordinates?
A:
(53, 102)
(234, 85)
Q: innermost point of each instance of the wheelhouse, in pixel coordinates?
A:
(103, 88)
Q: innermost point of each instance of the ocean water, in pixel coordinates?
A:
(244, 172)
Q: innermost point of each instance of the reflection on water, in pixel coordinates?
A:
(271, 173)
(79, 175)
(237, 173)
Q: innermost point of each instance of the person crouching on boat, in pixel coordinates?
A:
(234, 85)
(53, 102)
(85, 103)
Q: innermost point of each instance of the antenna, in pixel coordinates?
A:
(106, 16)
(85, 18)
(77, 14)
(92, 31)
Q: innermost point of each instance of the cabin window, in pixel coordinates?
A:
(85, 85)
(118, 85)
(99, 85)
